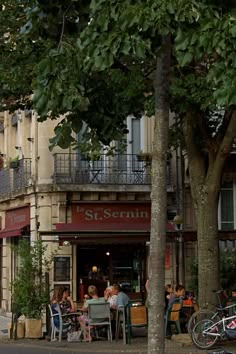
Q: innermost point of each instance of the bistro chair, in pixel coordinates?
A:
(121, 319)
(57, 325)
(99, 315)
(121, 322)
(136, 317)
(173, 315)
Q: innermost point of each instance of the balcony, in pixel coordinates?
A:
(107, 170)
(14, 180)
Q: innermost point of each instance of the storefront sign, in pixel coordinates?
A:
(17, 218)
(110, 216)
(117, 216)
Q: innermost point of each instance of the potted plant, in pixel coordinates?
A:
(30, 291)
(14, 162)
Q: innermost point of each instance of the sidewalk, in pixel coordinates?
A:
(179, 344)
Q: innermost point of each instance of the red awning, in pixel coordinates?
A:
(13, 231)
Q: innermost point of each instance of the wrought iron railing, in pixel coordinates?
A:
(15, 179)
(122, 169)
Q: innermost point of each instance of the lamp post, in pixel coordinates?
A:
(178, 222)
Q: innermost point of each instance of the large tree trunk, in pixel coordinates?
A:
(208, 245)
(205, 170)
(156, 336)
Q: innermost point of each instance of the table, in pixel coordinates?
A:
(189, 309)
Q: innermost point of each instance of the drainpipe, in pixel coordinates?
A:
(35, 177)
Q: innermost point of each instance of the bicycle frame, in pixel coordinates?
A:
(223, 321)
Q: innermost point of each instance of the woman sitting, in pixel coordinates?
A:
(61, 298)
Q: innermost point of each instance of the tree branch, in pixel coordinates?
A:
(195, 158)
(225, 146)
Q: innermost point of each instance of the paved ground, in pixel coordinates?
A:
(179, 344)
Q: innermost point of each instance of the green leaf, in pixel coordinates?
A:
(185, 59)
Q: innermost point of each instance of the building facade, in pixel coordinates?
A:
(96, 213)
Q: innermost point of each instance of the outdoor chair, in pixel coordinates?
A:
(57, 326)
(136, 317)
(173, 315)
(121, 321)
(99, 315)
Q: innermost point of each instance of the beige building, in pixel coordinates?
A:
(98, 212)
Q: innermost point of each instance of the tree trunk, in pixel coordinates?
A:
(208, 247)
(156, 335)
(205, 171)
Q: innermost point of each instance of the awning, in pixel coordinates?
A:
(105, 238)
(13, 231)
(72, 227)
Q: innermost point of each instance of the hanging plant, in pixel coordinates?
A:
(14, 162)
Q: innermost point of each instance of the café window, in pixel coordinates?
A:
(61, 269)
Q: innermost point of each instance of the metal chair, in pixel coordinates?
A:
(173, 315)
(136, 317)
(99, 315)
(56, 323)
(121, 321)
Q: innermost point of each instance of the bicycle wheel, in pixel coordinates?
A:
(201, 315)
(200, 339)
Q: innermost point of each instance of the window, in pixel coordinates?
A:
(227, 221)
(136, 142)
(61, 269)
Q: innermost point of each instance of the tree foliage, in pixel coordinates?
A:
(29, 289)
(95, 62)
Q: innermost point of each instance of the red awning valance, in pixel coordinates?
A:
(12, 232)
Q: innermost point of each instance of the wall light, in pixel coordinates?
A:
(94, 269)
(66, 243)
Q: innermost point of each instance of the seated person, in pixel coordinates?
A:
(169, 293)
(109, 297)
(122, 299)
(61, 298)
(67, 305)
(83, 320)
(179, 294)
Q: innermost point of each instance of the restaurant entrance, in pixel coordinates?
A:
(102, 265)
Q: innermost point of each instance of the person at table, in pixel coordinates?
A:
(83, 319)
(169, 293)
(67, 305)
(179, 294)
(110, 297)
(62, 298)
(122, 298)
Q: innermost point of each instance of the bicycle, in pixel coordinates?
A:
(206, 332)
(221, 311)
